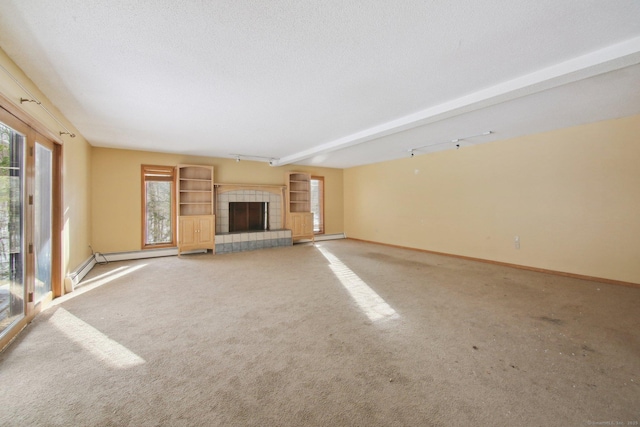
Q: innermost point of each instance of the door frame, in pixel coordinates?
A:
(17, 119)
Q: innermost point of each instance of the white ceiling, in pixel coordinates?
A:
(332, 83)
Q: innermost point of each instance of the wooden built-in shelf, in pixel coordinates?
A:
(299, 218)
(196, 200)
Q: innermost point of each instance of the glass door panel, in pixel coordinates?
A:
(317, 204)
(43, 222)
(12, 276)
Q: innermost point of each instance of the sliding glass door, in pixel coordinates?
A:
(43, 208)
(30, 223)
(12, 248)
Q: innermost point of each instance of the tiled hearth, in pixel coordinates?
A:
(250, 240)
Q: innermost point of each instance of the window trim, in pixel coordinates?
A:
(158, 173)
(15, 118)
(321, 197)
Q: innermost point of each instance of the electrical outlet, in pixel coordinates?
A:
(516, 242)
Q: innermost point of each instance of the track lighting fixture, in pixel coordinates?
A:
(272, 160)
(455, 141)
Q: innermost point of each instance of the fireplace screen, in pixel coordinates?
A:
(248, 216)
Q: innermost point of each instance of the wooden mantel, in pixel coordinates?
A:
(271, 188)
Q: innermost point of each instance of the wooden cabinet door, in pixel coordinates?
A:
(307, 224)
(187, 232)
(196, 232)
(297, 224)
(205, 230)
(302, 225)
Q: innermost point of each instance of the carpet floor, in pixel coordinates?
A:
(341, 333)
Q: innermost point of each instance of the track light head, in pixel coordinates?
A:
(23, 100)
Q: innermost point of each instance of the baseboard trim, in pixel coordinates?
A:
(321, 237)
(507, 264)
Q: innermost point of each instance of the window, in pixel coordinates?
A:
(317, 203)
(158, 213)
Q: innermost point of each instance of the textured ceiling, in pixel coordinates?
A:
(331, 83)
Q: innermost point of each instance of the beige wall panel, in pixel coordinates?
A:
(572, 196)
(77, 195)
(116, 186)
(76, 160)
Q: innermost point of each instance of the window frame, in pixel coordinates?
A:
(34, 132)
(320, 179)
(158, 173)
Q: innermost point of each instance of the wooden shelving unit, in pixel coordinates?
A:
(196, 220)
(299, 190)
(299, 218)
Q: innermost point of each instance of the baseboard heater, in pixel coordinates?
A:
(76, 276)
(321, 237)
(147, 253)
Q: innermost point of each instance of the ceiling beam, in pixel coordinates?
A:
(610, 58)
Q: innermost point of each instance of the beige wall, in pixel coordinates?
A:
(116, 191)
(572, 196)
(76, 160)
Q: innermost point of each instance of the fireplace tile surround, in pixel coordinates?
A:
(276, 236)
(222, 207)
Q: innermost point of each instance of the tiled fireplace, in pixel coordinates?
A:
(275, 236)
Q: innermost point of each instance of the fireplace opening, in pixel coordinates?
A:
(248, 216)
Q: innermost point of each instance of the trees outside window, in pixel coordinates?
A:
(12, 277)
(158, 222)
(317, 203)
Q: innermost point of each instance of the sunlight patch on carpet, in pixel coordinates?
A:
(109, 276)
(371, 304)
(96, 343)
(96, 282)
